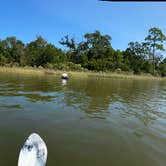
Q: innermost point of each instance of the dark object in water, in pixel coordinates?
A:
(64, 76)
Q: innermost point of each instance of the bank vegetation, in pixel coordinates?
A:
(94, 54)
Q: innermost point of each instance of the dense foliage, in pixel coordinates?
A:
(93, 53)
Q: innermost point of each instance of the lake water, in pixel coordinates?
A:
(87, 122)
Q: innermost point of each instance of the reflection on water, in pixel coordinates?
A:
(64, 81)
(84, 119)
(12, 106)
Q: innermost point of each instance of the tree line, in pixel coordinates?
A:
(94, 52)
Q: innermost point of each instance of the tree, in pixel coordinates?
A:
(97, 44)
(155, 41)
(136, 53)
(70, 43)
(40, 53)
(50, 54)
(4, 52)
(12, 49)
(35, 50)
(72, 48)
(162, 68)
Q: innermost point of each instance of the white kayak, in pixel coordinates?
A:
(34, 152)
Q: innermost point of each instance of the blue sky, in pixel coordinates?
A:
(53, 19)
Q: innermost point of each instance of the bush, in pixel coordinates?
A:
(49, 66)
(65, 66)
(3, 60)
(40, 67)
(147, 67)
(118, 70)
(162, 69)
(15, 64)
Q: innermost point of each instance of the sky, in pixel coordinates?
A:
(53, 19)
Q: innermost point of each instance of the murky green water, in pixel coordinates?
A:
(87, 122)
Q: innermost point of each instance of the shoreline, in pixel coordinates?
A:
(43, 72)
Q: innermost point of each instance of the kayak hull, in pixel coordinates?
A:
(33, 152)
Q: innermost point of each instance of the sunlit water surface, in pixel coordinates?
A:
(86, 122)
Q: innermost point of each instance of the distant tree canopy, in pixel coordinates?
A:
(94, 52)
(155, 41)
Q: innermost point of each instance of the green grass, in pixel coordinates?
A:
(115, 75)
(42, 71)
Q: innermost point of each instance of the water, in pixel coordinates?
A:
(86, 122)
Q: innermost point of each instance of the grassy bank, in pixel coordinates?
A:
(43, 72)
(26, 70)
